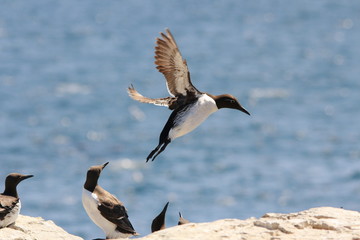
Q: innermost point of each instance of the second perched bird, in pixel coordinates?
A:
(190, 106)
(104, 209)
(9, 200)
(159, 221)
(182, 220)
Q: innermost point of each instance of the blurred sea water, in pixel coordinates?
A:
(64, 69)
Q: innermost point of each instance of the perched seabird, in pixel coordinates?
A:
(190, 106)
(10, 204)
(182, 220)
(159, 221)
(104, 209)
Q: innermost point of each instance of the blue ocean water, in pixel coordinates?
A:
(64, 69)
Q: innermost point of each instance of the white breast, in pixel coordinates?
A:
(11, 216)
(190, 119)
(90, 203)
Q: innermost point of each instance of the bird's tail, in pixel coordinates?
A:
(156, 101)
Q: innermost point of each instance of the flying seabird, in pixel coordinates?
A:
(190, 106)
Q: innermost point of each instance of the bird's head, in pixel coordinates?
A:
(229, 101)
(11, 181)
(93, 175)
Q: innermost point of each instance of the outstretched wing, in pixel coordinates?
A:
(114, 211)
(170, 63)
(166, 102)
(170, 102)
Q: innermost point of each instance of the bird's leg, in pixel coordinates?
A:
(153, 152)
(162, 148)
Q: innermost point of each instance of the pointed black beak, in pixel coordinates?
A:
(104, 165)
(165, 208)
(243, 110)
(26, 177)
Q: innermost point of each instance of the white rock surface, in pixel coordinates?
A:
(313, 224)
(35, 228)
(325, 223)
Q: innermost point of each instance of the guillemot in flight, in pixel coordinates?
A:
(10, 203)
(104, 209)
(190, 106)
(159, 221)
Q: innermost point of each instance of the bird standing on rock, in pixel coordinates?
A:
(104, 209)
(190, 106)
(182, 220)
(10, 204)
(159, 221)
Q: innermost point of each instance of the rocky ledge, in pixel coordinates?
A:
(315, 223)
(35, 228)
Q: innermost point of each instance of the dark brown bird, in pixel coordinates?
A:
(190, 106)
(10, 203)
(104, 209)
(159, 221)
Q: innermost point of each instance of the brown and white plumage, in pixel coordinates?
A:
(169, 62)
(10, 203)
(182, 220)
(9, 210)
(104, 209)
(166, 102)
(190, 106)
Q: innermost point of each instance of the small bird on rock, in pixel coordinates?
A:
(10, 203)
(159, 221)
(104, 209)
(190, 106)
(182, 220)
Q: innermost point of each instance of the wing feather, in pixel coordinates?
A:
(114, 211)
(166, 102)
(169, 62)
(7, 203)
